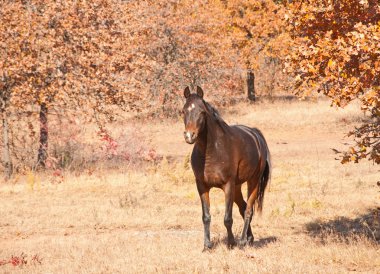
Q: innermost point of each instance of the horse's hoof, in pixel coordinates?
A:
(207, 247)
(231, 245)
(242, 243)
(250, 240)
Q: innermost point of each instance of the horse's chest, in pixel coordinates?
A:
(214, 167)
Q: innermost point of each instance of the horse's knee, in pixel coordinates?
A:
(228, 221)
(248, 214)
(206, 218)
(242, 209)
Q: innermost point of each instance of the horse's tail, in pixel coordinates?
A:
(264, 180)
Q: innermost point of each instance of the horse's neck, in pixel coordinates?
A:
(214, 132)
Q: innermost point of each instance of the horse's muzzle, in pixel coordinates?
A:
(190, 137)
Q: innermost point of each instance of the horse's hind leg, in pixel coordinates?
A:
(239, 200)
(253, 188)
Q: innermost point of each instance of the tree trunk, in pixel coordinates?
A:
(251, 85)
(42, 151)
(7, 155)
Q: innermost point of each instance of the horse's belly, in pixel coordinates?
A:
(246, 169)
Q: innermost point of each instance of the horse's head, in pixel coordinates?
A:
(194, 114)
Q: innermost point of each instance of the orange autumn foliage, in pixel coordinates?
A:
(336, 51)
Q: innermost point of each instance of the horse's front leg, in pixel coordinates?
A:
(206, 217)
(228, 221)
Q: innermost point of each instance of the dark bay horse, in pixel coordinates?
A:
(225, 157)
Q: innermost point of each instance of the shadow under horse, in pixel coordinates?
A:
(225, 157)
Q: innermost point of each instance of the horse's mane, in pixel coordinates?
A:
(215, 114)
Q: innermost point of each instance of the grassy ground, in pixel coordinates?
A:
(319, 215)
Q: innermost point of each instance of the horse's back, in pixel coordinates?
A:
(250, 136)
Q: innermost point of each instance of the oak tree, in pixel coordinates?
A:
(336, 51)
(257, 29)
(63, 54)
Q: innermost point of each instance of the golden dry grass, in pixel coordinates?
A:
(317, 213)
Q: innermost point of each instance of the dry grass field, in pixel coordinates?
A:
(318, 217)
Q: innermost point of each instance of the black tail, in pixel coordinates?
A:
(265, 176)
(262, 185)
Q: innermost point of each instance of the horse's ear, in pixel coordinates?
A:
(186, 92)
(200, 91)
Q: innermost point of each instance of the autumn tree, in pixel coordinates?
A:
(88, 56)
(336, 51)
(176, 44)
(256, 28)
(5, 95)
(208, 43)
(64, 54)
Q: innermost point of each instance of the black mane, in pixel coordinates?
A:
(215, 114)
